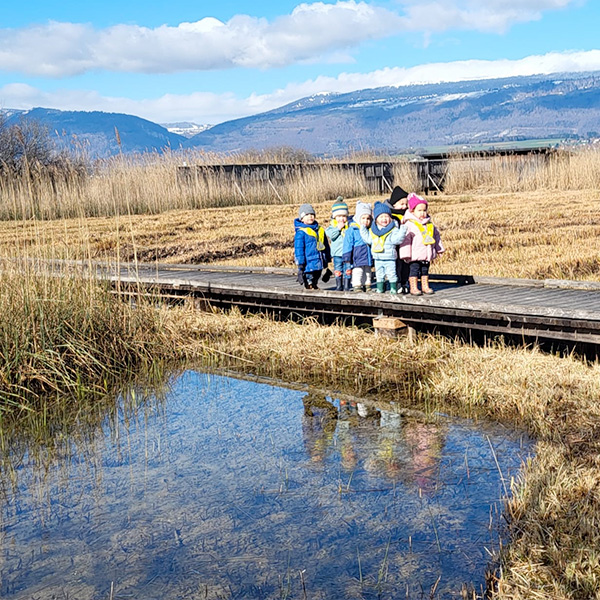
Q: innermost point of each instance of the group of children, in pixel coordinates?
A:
(397, 237)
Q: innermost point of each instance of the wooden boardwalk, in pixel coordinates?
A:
(542, 310)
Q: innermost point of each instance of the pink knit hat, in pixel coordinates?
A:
(414, 201)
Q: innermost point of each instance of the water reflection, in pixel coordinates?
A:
(231, 489)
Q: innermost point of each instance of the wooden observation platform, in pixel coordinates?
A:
(429, 169)
(561, 312)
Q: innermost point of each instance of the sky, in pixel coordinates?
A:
(209, 62)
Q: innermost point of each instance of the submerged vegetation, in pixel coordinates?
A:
(66, 341)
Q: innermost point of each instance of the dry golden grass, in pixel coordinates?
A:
(536, 235)
(151, 183)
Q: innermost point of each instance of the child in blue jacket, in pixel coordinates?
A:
(336, 232)
(311, 247)
(384, 237)
(356, 252)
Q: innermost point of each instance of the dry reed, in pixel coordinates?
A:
(67, 338)
(152, 183)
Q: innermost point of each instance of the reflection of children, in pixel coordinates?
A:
(421, 245)
(384, 237)
(318, 425)
(336, 232)
(311, 247)
(425, 442)
(399, 204)
(356, 251)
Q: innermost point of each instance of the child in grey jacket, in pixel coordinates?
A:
(384, 237)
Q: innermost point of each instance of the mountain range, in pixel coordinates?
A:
(98, 134)
(388, 119)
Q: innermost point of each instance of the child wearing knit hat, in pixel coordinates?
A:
(336, 232)
(421, 246)
(399, 205)
(311, 248)
(384, 237)
(355, 252)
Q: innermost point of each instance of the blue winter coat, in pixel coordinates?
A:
(355, 250)
(305, 248)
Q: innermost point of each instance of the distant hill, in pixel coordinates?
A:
(95, 133)
(395, 119)
(389, 119)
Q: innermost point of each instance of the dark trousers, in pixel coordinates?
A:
(311, 278)
(402, 269)
(419, 268)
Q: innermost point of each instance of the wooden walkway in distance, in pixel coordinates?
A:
(544, 310)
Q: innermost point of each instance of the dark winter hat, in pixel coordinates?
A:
(414, 201)
(306, 209)
(381, 208)
(397, 194)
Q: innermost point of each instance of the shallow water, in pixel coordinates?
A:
(228, 488)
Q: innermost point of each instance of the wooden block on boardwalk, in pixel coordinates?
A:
(390, 327)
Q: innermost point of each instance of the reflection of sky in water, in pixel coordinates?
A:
(233, 489)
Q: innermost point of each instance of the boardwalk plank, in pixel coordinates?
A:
(552, 311)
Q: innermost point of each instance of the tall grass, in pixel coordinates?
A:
(563, 170)
(152, 183)
(68, 337)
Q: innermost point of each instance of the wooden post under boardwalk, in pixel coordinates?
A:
(390, 327)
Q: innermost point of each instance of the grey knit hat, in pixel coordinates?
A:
(306, 209)
(362, 208)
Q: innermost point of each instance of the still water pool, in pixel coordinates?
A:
(228, 488)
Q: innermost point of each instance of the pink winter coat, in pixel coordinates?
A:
(413, 248)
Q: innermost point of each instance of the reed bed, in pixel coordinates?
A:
(557, 172)
(153, 183)
(537, 235)
(66, 339)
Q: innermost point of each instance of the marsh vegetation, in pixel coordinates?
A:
(65, 342)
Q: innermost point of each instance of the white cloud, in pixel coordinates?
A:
(310, 32)
(67, 49)
(213, 108)
(490, 16)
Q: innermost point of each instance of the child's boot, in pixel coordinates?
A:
(425, 285)
(393, 287)
(405, 289)
(414, 286)
(339, 284)
(347, 284)
(380, 287)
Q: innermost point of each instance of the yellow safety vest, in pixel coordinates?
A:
(320, 237)
(426, 232)
(378, 241)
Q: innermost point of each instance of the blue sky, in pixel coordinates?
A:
(209, 62)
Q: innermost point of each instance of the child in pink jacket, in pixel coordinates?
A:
(421, 245)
